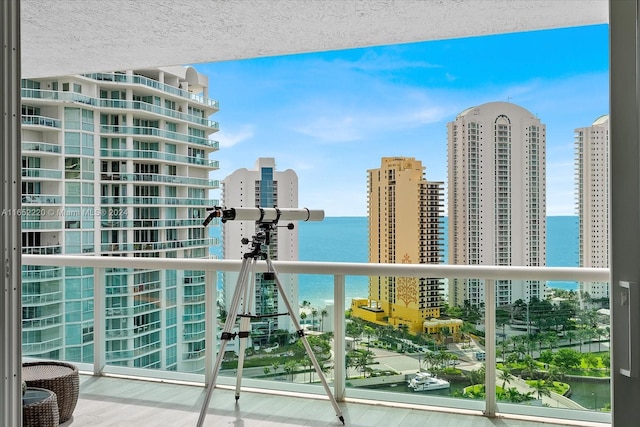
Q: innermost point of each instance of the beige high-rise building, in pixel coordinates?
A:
(405, 226)
(497, 198)
(592, 189)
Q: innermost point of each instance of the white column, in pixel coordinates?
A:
(625, 207)
(10, 189)
(339, 345)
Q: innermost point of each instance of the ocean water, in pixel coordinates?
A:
(344, 239)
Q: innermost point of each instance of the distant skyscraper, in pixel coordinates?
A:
(117, 164)
(497, 201)
(405, 227)
(592, 188)
(262, 187)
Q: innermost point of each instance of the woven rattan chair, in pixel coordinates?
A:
(40, 408)
(59, 377)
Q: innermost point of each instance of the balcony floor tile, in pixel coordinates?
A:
(111, 401)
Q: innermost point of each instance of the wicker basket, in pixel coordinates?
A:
(59, 377)
(40, 412)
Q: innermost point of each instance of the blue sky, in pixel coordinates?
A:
(331, 116)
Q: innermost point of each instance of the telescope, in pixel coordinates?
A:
(265, 215)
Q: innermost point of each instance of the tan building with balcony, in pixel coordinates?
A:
(405, 226)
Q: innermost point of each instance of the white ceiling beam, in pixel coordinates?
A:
(72, 36)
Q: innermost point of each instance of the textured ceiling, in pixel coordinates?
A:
(73, 36)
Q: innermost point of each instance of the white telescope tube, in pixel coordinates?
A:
(272, 214)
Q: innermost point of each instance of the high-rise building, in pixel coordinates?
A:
(263, 187)
(592, 189)
(117, 164)
(405, 227)
(497, 198)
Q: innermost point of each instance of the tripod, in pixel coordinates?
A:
(243, 296)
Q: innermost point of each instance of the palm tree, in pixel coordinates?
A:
(275, 366)
(506, 377)
(368, 331)
(314, 313)
(552, 339)
(303, 316)
(324, 313)
(556, 373)
(290, 367)
(530, 366)
(363, 359)
(542, 388)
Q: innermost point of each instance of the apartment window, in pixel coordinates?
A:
(72, 167)
(72, 118)
(72, 142)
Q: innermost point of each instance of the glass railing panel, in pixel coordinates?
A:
(556, 351)
(41, 173)
(41, 121)
(41, 147)
(412, 359)
(156, 320)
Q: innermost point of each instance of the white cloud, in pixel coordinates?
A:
(230, 138)
(360, 124)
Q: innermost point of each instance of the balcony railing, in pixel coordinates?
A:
(137, 79)
(493, 348)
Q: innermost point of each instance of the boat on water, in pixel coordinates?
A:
(425, 381)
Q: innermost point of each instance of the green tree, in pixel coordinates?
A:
(567, 358)
(476, 376)
(591, 360)
(546, 357)
(606, 361)
(354, 329)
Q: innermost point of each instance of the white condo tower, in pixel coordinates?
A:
(592, 189)
(117, 164)
(496, 204)
(265, 187)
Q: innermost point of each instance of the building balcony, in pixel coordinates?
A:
(142, 131)
(160, 155)
(42, 173)
(40, 148)
(180, 393)
(41, 121)
(141, 80)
